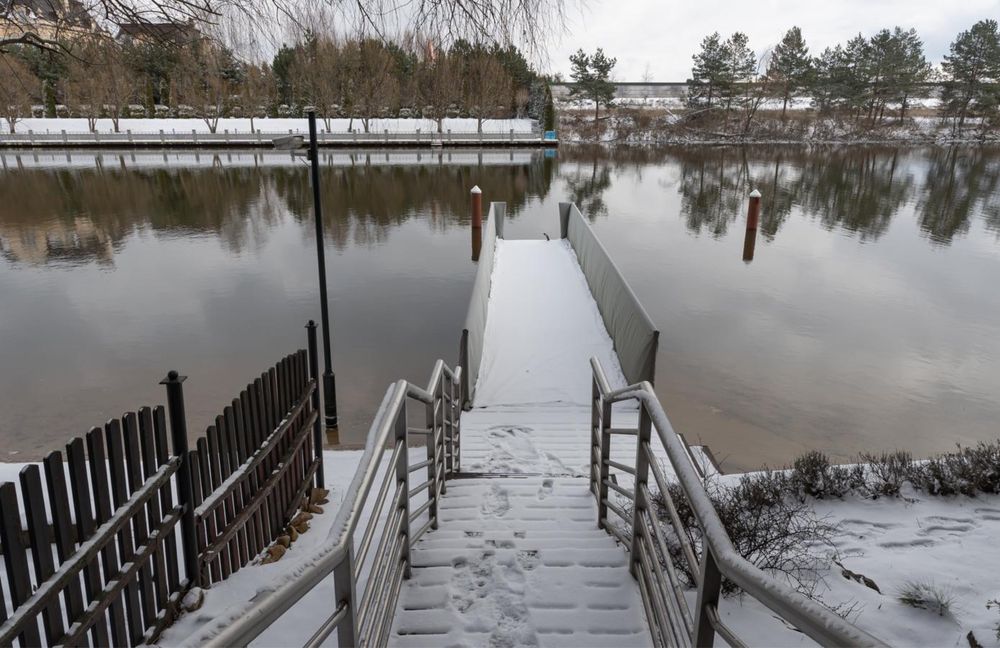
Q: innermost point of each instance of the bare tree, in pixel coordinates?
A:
(80, 92)
(99, 81)
(487, 89)
(529, 22)
(256, 91)
(439, 83)
(369, 85)
(207, 79)
(16, 81)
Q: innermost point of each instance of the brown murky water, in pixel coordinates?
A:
(868, 319)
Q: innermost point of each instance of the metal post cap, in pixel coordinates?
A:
(755, 194)
(173, 377)
(477, 190)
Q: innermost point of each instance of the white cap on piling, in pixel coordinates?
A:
(755, 194)
(477, 190)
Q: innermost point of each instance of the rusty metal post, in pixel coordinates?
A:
(753, 220)
(753, 211)
(477, 208)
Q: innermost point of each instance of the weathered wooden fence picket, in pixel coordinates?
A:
(101, 554)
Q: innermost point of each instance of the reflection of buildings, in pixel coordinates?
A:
(78, 241)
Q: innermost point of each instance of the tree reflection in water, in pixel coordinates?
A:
(78, 215)
(853, 189)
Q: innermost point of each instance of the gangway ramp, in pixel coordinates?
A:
(532, 520)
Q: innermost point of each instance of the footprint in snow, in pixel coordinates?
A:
(495, 502)
(545, 490)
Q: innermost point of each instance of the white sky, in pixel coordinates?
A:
(665, 33)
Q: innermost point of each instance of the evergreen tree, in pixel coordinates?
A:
(739, 69)
(973, 65)
(791, 67)
(591, 75)
(284, 61)
(910, 69)
(707, 72)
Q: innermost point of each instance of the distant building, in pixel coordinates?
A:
(159, 32)
(47, 19)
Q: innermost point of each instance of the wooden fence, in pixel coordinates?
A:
(102, 555)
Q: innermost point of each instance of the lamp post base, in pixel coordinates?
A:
(330, 399)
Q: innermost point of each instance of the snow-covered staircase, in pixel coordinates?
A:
(519, 562)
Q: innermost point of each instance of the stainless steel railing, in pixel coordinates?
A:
(671, 620)
(369, 550)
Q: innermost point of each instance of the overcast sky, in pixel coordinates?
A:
(663, 34)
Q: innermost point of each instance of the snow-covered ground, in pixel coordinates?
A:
(268, 125)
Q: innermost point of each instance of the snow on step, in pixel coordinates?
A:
(542, 328)
(519, 562)
(548, 440)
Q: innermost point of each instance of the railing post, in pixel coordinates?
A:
(463, 362)
(345, 587)
(595, 439)
(708, 597)
(403, 481)
(432, 429)
(456, 420)
(178, 432)
(317, 426)
(604, 470)
(641, 480)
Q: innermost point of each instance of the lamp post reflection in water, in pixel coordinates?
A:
(753, 219)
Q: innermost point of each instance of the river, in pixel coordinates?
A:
(868, 318)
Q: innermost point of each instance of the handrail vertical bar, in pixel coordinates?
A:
(458, 395)
(595, 439)
(641, 484)
(604, 470)
(345, 590)
(463, 361)
(708, 597)
(432, 409)
(403, 482)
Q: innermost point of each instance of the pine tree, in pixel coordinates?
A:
(911, 69)
(740, 65)
(973, 65)
(707, 72)
(791, 67)
(591, 75)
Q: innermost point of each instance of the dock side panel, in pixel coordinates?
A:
(475, 320)
(632, 330)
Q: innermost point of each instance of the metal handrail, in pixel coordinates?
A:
(666, 607)
(381, 559)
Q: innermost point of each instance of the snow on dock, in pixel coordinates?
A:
(543, 327)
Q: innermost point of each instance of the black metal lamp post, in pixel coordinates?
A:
(295, 143)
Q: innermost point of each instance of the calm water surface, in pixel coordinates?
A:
(868, 318)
